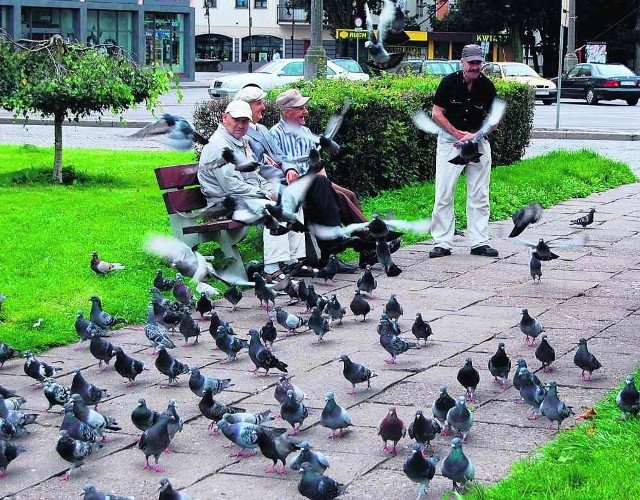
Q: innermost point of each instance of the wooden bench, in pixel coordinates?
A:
(184, 202)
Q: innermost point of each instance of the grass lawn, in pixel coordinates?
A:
(49, 232)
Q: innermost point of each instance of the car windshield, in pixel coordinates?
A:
(614, 70)
(437, 68)
(269, 67)
(518, 70)
(349, 65)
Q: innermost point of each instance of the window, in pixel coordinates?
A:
(260, 4)
(293, 69)
(242, 4)
(574, 71)
(40, 23)
(260, 47)
(210, 4)
(164, 40)
(214, 47)
(110, 27)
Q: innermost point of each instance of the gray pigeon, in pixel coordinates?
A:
(395, 345)
(355, 373)
(283, 386)
(585, 220)
(215, 410)
(586, 361)
(334, 309)
(531, 393)
(242, 434)
(545, 354)
(263, 292)
(16, 417)
(318, 486)
(293, 411)
(421, 329)
(531, 327)
(73, 451)
(162, 283)
(102, 318)
(359, 306)
(170, 366)
(56, 394)
(9, 431)
(441, 407)
(167, 492)
(90, 492)
(189, 328)
(529, 214)
(458, 467)
(85, 330)
(628, 399)
(261, 356)
(420, 469)
(229, 344)
(144, 417)
(92, 417)
(101, 267)
(318, 323)
(76, 428)
(38, 370)
(7, 393)
(317, 460)
(233, 295)
(424, 430)
(500, 366)
(8, 453)
(459, 417)
(290, 322)
(248, 417)
(126, 366)
(393, 308)
(181, 292)
(102, 350)
(156, 333)
(276, 447)
(199, 383)
(176, 424)
(535, 267)
(334, 417)
(552, 408)
(90, 393)
(155, 440)
(172, 130)
(367, 283)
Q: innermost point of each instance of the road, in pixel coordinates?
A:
(578, 115)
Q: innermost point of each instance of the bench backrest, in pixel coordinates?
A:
(181, 188)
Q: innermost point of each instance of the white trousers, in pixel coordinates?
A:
(285, 247)
(478, 176)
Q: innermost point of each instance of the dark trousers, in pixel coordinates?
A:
(350, 211)
(321, 205)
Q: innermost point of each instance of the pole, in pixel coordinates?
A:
(570, 58)
(250, 40)
(315, 60)
(561, 44)
(293, 27)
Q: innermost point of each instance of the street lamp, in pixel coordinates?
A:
(250, 39)
(207, 4)
(291, 12)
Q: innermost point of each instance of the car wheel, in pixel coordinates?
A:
(632, 102)
(590, 97)
(547, 102)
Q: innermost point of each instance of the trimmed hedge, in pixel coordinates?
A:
(387, 150)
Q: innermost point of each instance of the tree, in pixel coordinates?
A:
(70, 81)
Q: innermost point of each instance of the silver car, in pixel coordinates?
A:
(274, 74)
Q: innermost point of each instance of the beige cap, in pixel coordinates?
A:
(291, 98)
(239, 109)
(250, 93)
(472, 52)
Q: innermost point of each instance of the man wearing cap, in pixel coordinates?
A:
(461, 103)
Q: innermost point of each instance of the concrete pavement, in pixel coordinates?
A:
(471, 302)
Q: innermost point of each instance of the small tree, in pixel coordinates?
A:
(69, 81)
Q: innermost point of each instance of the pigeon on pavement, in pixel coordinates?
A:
(92, 417)
(204, 305)
(6, 353)
(56, 394)
(16, 417)
(242, 434)
(530, 214)
(167, 492)
(199, 383)
(469, 378)
(261, 356)
(126, 366)
(329, 271)
(172, 130)
(293, 411)
(90, 393)
(144, 417)
(318, 462)
(628, 399)
(249, 418)
(553, 408)
(263, 292)
(334, 309)
(459, 417)
(215, 410)
(189, 328)
(535, 267)
(355, 373)
(268, 333)
(334, 417)
(85, 330)
(420, 469)
(367, 283)
(155, 440)
(391, 428)
(393, 308)
(90, 492)
(181, 292)
(8, 453)
(531, 327)
(38, 370)
(289, 321)
(585, 220)
(229, 344)
(458, 467)
(394, 345)
(500, 366)
(283, 386)
(530, 392)
(586, 361)
(545, 354)
(101, 267)
(73, 451)
(233, 295)
(102, 318)
(76, 428)
(170, 366)
(359, 306)
(102, 350)
(318, 323)
(421, 329)
(424, 430)
(276, 447)
(318, 486)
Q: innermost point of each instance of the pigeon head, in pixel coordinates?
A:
(525, 311)
(461, 401)
(416, 447)
(117, 349)
(344, 358)
(443, 390)
(80, 314)
(290, 394)
(392, 410)
(178, 278)
(582, 341)
(629, 379)
(418, 414)
(521, 363)
(306, 466)
(468, 362)
(253, 333)
(142, 402)
(164, 484)
(456, 443)
(304, 445)
(524, 373)
(172, 404)
(63, 434)
(94, 254)
(543, 337)
(501, 346)
(95, 298)
(329, 396)
(552, 384)
(89, 489)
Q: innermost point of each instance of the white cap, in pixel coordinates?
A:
(250, 93)
(239, 109)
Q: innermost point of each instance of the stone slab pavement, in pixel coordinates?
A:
(472, 304)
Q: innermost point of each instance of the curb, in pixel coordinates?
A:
(583, 135)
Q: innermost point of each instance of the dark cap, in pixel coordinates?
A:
(472, 52)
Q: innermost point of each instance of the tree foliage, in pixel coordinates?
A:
(67, 82)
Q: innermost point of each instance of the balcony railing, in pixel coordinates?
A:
(287, 14)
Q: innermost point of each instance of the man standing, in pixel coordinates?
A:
(461, 103)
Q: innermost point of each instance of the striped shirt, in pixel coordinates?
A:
(292, 144)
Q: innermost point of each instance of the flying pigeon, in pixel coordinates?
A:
(90, 492)
(544, 251)
(458, 467)
(6, 353)
(531, 327)
(144, 417)
(38, 370)
(100, 267)
(586, 361)
(391, 428)
(585, 220)
(420, 469)
(529, 214)
(162, 283)
(469, 378)
(293, 411)
(359, 306)
(167, 492)
(380, 58)
(199, 383)
(56, 394)
(173, 131)
(180, 256)
(545, 354)
(229, 344)
(73, 451)
(170, 366)
(334, 417)
(424, 430)
(261, 356)
(241, 162)
(628, 399)
(318, 462)
(318, 486)
(324, 141)
(553, 408)
(355, 373)
(500, 366)
(91, 394)
(459, 417)
(126, 366)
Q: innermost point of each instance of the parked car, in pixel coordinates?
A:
(456, 63)
(409, 67)
(601, 82)
(436, 68)
(519, 72)
(274, 74)
(351, 65)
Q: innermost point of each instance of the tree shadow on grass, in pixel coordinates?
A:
(70, 177)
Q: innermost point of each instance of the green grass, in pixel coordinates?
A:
(48, 232)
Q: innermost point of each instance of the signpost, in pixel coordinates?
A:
(358, 23)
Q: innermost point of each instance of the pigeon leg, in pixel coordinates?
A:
(158, 469)
(353, 391)
(266, 374)
(65, 476)
(385, 448)
(284, 470)
(390, 361)
(445, 430)
(534, 414)
(3, 473)
(272, 469)
(464, 437)
(146, 465)
(167, 451)
(36, 386)
(503, 385)
(296, 429)
(333, 434)
(78, 347)
(394, 452)
(519, 401)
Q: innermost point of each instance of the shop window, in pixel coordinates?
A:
(164, 40)
(41, 23)
(260, 48)
(112, 28)
(214, 47)
(242, 4)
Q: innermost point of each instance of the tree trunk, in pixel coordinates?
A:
(516, 42)
(636, 62)
(57, 162)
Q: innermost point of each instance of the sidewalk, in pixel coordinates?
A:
(472, 303)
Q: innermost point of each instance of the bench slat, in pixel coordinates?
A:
(177, 176)
(213, 226)
(184, 200)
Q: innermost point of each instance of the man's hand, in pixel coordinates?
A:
(291, 176)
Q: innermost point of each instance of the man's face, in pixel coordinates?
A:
(471, 69)
(296, 116)
(237, 127)
(257, 107)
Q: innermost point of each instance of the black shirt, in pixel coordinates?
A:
(465, 110)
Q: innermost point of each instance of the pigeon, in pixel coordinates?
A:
(268, 334)
(188, 327)
(143, 417)
(173, 131)
(334, 417)
(179, 255)
(102, 350)
(91, 394)
(543, 251)
(529, 214)
(383, 253)
(441, 407)
(92, 493)
(359, 306)
(156, 333)
(289, 321)
(553, 408)
(531, 393)
(469, 378)
(16, 417)
(459, 417)
(424, 430)
(100, 267)
(318, 462)
(457, 466)
(166, 313)
(38, 370)
(181, 292)
(241, 162)
(263, 292)
(199, 383)
(420, 469)
(76, 428)
(216, 322)
(293, 411)
(329, 271)
(73, 451)
(380, 58)
(176, 423)
(56, 394)
(276, 447)
(8, 431)
(242, 434)
(102, 318)
(229, 344)
(92, 417)
(318, 486)
(6, 353)
(261, 356)
(585, 220)
(167, 492)
(215, 410)
(393, 308)
(204, 305)
(535, 267)
(517, 380)
(155, 440)
(628, 399)
(7, 393)
(233, 295)
(257, 418)
(500, 366)
(14, 402)
(421, 329)
(318, 323)
(395, 345)
(170, 366)
(8, 453)
(545, 354)
(334, 309)
(531, 327)
(355, 373)
(367, 283)
(283, 386)
(584, 360)
(312, 297)
(162, 283)
(86, 330)
(387, 325)
(293, 195)
(126, 366)
(376, 229)
(391, 428)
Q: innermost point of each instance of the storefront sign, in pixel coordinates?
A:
(345, 34)
(484, 37)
